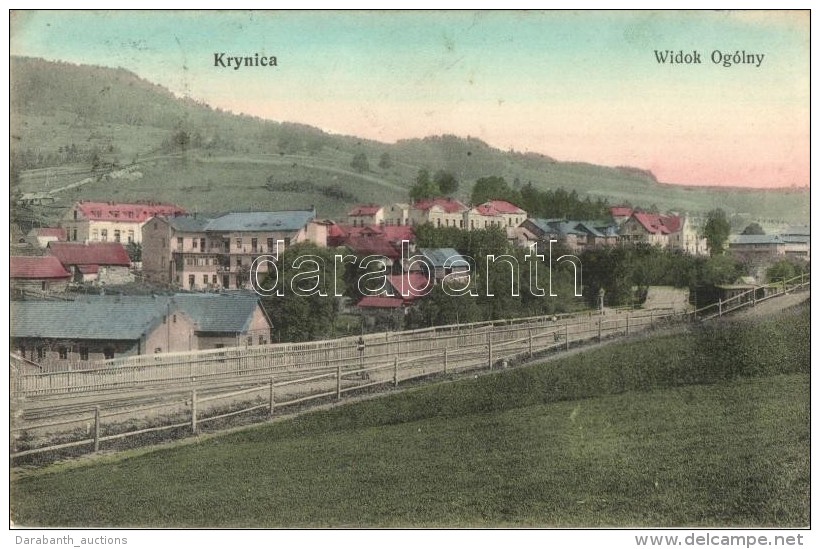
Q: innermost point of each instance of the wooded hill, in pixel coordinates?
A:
(103, 133)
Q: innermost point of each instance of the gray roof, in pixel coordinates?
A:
(129, 317)
(437, 256)
(189, 223)
(743, 239)
(262, 221)
(797, 230)
(103, 318)
(222, 313)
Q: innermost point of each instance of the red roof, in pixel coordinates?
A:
(363, 245)
(365, 209)
(498, 207)
(94, 253)
(380, 302)
(659, 224)
(449, 205)
(620, 211)
(37, 267)
(126, 212)
(397, 233)
(415, 283)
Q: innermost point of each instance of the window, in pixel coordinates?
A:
(254, 244)
(238, 243)
(194, 243)
(174, 319)
(108, 353)
(202, 244)
(130, 236)
(205, 279)
(191, 281)
(75, 235)
(63, 353)
(238, 261)
(180, 245)
(270, 245)
(213, 280)
(83, 353)
(95, 234)
(116, 235)
(261, 340)
(41, 353)
(249, 341)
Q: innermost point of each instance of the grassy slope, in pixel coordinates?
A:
(54, 105)
(710, 428)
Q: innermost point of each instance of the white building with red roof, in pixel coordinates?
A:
(495, 213)
(439, 212)
(667, 231)
(113, 221)
(366, 214)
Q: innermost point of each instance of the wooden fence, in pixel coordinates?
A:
(199, 384)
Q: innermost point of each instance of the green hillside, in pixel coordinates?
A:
(72, 126)
(705, 428)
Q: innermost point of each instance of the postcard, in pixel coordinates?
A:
(424, 269)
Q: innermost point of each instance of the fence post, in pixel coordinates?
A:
(600, 321)
(445, 360)
(490, 349)
(96, 429)
(720, 307)
(338, 381)
(627, 323)
(566, 334)
(396, 370)
(272, 402)
(651, 317)
(529, 330)
(193, 411)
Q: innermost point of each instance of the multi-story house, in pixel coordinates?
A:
(216, 253)
(112, 221)
(439, 212)
(366, 214)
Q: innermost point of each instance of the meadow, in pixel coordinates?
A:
(706, 428)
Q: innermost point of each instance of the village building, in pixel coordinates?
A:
(572, 234)
(798, 242)
(40, 237)
(198, 253)
(366, 214)
(438, 263)
(397, 214)
(620, 214)
(757, 247)
(495, 213)
(112, 221)
(401, 292)
(74, 334)
(98, 262)
(439, 212)
(38, 273)
(675, 232)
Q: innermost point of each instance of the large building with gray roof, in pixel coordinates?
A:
(64, 334)
(208, 253)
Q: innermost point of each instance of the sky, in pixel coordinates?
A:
(577, 86)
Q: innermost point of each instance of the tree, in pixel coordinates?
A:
(493, 188)
(753, 228)
(134, 251)
(446, 182)
(716, 231)
(360, 163)
(385, 162)
(424, 187)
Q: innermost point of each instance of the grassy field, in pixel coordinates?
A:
(708, 428)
